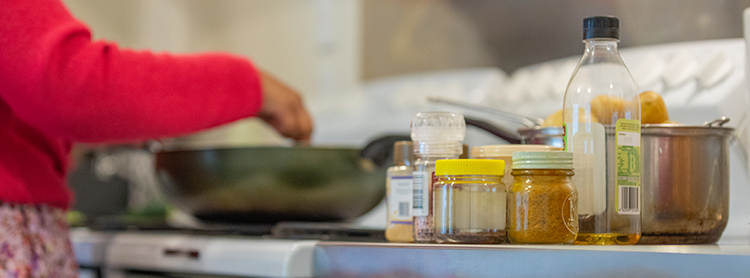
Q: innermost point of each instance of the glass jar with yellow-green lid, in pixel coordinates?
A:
(469, 201)
(542, 201)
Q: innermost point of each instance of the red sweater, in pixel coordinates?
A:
(57, 87)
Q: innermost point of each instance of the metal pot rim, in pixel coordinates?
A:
(677, 129)
(646, 129)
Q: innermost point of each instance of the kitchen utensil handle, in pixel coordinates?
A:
(380, 150)
(508, 136)
(508, 116)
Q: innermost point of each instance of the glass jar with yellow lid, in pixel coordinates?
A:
(469, 201)
(542, 201)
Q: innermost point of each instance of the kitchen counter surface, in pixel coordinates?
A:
(343, 259)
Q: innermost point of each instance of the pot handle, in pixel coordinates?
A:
(718, 122)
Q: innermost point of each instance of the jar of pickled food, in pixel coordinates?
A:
(542, 201)
(469, 201)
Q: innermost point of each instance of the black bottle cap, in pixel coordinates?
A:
(607, 27)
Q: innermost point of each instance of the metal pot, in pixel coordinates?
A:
(685, 179)
(685, 183)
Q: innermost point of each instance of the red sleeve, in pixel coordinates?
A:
(54, 77)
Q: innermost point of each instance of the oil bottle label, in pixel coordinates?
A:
(628, 141)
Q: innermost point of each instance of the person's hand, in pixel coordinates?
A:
(283, 110)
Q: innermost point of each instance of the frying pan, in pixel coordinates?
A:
(273, 184)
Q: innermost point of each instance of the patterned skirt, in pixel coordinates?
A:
(34, 242)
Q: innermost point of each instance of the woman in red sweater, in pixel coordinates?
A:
(57, 87)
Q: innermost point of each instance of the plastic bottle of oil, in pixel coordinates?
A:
(602, 129)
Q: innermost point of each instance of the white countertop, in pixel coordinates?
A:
(248, 256)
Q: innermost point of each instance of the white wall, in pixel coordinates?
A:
(313, 45)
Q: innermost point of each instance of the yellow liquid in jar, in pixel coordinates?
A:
(607, 239)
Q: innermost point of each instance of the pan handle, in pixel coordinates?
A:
(510, 137)
(380, 150)
(508, 116)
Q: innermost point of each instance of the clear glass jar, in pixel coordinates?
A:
(601, 115)
(469, 201)
(542, 201)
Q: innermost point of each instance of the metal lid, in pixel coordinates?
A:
(543, 160)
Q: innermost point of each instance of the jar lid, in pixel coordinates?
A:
(485, 167)
(507, 150)
(437, 127)
(543, 160)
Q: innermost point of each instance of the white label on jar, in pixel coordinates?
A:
(422, 183)
(400, 202)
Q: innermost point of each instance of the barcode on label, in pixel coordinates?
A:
(403, 209)
(420, 205)
(629, 200)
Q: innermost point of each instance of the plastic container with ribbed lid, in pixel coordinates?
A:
(436, 135)
(399, 187)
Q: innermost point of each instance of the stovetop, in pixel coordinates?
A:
(281, 230)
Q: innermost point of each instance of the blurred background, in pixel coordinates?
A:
(321, 46)
(349, 59)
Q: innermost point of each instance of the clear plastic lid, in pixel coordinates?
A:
(495, 151)
(438, 133)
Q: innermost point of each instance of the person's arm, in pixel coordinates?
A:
(54, 77)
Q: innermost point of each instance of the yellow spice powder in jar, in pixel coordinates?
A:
(542, 202)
